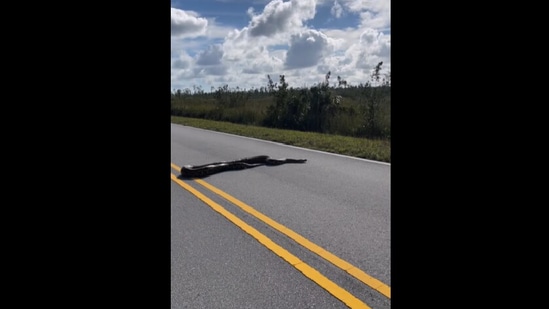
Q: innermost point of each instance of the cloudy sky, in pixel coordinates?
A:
(239, 42)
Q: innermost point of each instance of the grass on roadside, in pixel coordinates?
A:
(379, 150)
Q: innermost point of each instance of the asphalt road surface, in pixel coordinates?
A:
(311, 235)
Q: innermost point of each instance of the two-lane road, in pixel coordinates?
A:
(236, 236)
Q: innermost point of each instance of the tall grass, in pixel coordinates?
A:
(373, 149)
(348, 120)
(354, 111)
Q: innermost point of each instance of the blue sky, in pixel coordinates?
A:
(240, 42)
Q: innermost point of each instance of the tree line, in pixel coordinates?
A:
(355, 110)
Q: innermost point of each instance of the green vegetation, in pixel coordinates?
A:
(342, 118)
(379, 150)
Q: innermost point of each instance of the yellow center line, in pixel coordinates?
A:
(338, 262)
(350, 300)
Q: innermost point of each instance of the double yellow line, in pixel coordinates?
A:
(311, 273)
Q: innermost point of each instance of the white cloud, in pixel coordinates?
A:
(187, 24)
(375, 43)
(249, 63)
(209, 62)
(250, 12)
(372, 5)
(279, 40)
(372, 47)
(217, 31)
(210, 70)
(336, 10)
(357, 53)
(211, 56)
(279, 16)
(373, 13)
(255, 59)
(181, 70)
(307, 49)
(371, 20)
(183, 61)
(346, 37)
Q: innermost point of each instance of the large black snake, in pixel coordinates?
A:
(204, 170)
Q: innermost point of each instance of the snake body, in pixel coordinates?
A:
(216, 167)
